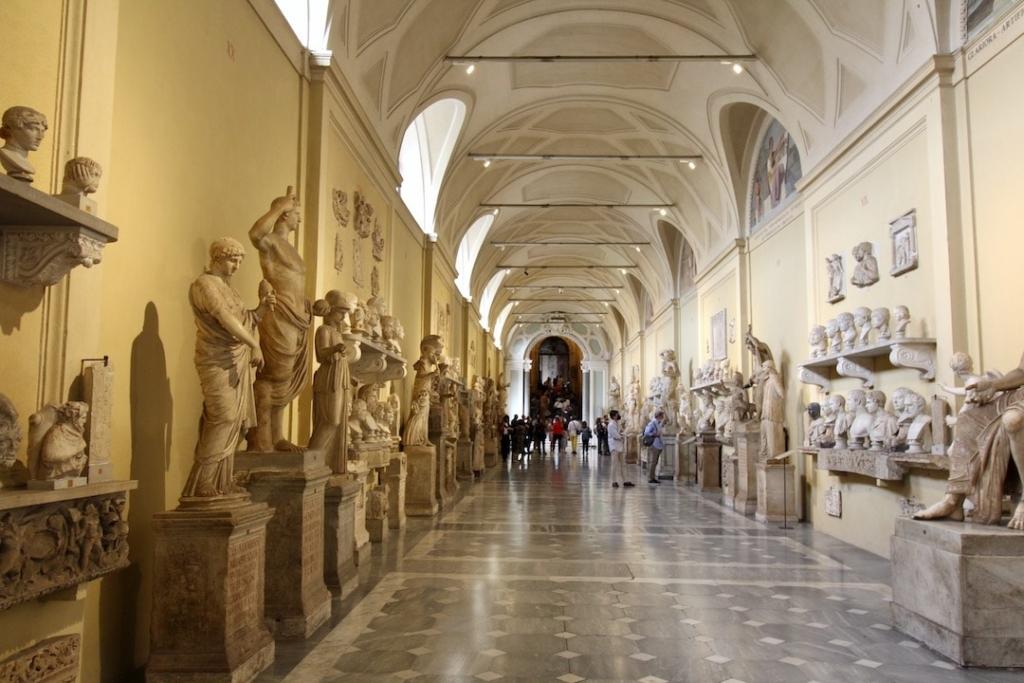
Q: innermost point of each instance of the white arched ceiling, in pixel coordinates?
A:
(499, 325)
(487, 298)
(821, 67)
(424, 155)
(469, 248)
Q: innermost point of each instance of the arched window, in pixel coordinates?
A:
(311, 21)
(490, 291)
(424, 155)
(469, 248)
(499, 324)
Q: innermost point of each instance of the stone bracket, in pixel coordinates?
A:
(847, 367)
(917, 353)
(813, 377)
(921, 357)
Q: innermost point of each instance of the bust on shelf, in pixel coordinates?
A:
(23, 130)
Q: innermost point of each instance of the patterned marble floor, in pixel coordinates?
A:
(543, 572)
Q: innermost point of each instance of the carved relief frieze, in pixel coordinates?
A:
(365, 216)
(54, 660)
(47, 547)
(44, 256)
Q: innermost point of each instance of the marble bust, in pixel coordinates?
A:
(880, 324)
(862, 321)
(835, 336)
(865, 273)
(861, 421)
(884, 425)
(10, 434)
(847, 330)
(841, 420)
(81, 178)
(818, 341)
(23, 130)
(56, 436)
(900, 318)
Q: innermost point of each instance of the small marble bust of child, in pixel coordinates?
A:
(880, 323)
(901, 318)
(818, 341)
(835, 337)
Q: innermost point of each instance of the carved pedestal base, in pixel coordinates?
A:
(668, 464)
(395, 477)
(442, 463)
(464, 459)
(632, 449)
(687, 460)
(957, 587)
(728, 476)
(339, 534)
(747, 439)
(776, 492)
(420, 486)
(54, 660)
(297, 600)
(208, 580)
(491, 451)
(377, 528)
(709, 466)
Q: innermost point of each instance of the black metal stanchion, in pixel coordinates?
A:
(785, 502)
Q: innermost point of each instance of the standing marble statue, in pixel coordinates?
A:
(226, 352)
(773, 411)
(23, 130)
(669, 390)
(424, 391)
(761, 354)
(614, 394)
(284, 331)
(332, 383)
(988, 433)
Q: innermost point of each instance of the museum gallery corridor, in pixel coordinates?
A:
(545, 573)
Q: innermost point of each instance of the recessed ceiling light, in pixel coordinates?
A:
(487, 163)
(622, 270)
(692, 165)
(737, 68)
(495, 212)
(470, 69)
(663, 212)
(637, 249)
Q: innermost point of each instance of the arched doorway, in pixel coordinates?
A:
(556, 369)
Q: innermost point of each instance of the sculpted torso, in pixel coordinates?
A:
(282, 266)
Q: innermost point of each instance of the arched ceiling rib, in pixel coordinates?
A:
(821, 66)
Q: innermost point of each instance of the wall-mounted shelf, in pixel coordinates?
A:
(376, 363)
(917, 353)
(880, 465)
(43, 237)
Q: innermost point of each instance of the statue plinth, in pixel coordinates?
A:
(464, 459)
(747, 441)
(207, 622)
(293, 483)
(491, 449)
(395, 476)
(956, 587)
(420, 482)
(776, 491)
(709, 464)
(340, 572)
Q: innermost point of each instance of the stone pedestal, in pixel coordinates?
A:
(728, 476)
(339, 534)
(442, 464)
(772, 506)
(420, 495)
(297, 599)
(709, 465)
(208, 580)
(687, 460)
(464, 459)
(478, 454)
(360, 534)
(668, 466)
(632, 449)
(491, 448)
(959, 588)
(747, 439)
(395, 477)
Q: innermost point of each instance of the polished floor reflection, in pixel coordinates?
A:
(543, 572)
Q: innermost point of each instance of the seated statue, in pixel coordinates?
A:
(989, 432)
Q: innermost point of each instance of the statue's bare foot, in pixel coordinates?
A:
(950, 507)
(286, 446)
(1017, 521)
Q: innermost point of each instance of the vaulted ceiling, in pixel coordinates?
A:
(821, 66)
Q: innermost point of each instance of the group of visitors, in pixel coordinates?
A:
(624, 463)
(522, 435)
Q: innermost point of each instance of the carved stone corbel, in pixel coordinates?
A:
(921, 357)
(810, 376)
(848, 368)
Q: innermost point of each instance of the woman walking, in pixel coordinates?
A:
(617, 444)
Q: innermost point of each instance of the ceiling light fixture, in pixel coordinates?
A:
(496, 156)
(663, 212)
(470, 69)
(568, 205)
(622, 58)
(487, 163)
(737, 69)
(692, 165)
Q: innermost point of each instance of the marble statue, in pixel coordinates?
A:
(428, 372)
(848, 330)
(225, 354)
(357, 319)
(815, 424)
(23, 130)
(332, 383)
(988, 434)
(880, 324)
(862, 322)
(684, 414)
(760, 353)
(842, 420)
(835, 336)
(56, 441)
(827, 429)
(818, 340)
(737, 408)
(900, 320)
(10, 434)
(633, 404)
(395, 406)
(860, 422)
(706, 414)
(81, 178)
(389, 332)
(865, 273)
(834, 266)
(284, 329)
(773, 411)
(884, 424)
(668, 390)
(375, 309)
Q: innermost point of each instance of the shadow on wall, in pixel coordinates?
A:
(17, 302)
(151, 406)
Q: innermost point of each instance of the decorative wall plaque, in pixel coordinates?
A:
(836, 278)
(364, 216)
(339, 205)
(375, 282)
(903, 232)
(339, 253)
(833, 501)
(378, 241)
(719, 339)
(357, 263)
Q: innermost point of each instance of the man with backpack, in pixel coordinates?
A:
(617, 444)
(652, 440)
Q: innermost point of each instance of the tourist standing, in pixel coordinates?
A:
(557, 434)
(601, 429)
(585, 435)
(652, 440)
(506, 436)
(617, 444)
(574, 432)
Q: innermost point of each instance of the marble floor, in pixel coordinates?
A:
(543, 572)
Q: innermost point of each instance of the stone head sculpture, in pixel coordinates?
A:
(10, 432)
(901, 318)
(23, 130)
(432, 347)
(961, 364)
(880, 322)
(226, 256)
(81, 176)
(814, 410)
